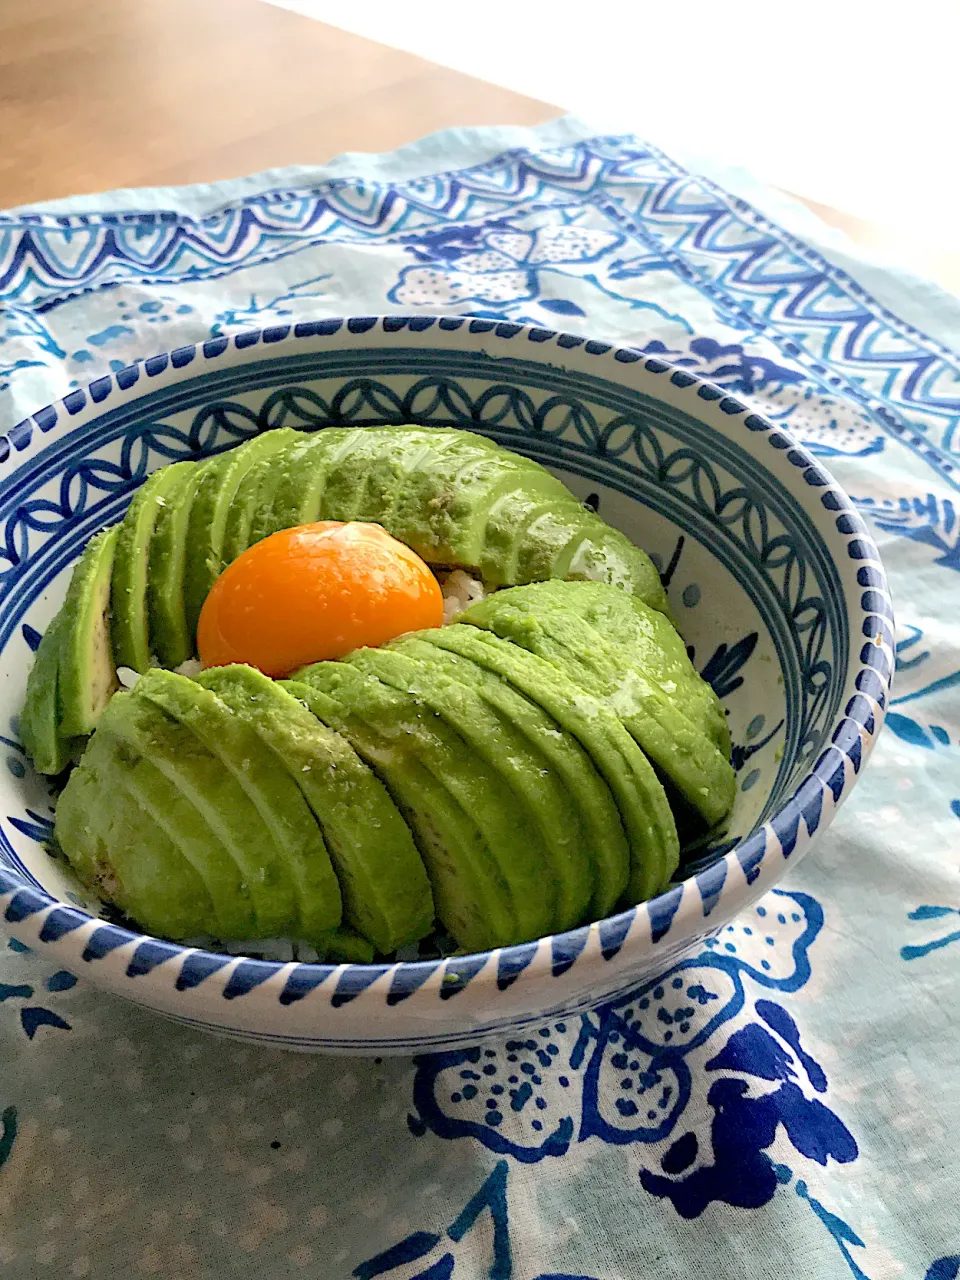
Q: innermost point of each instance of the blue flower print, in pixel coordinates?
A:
(699, 1071)
(755, 369)
(920, 676)
(496, 264)
(437, 1255)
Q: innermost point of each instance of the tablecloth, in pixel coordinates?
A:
(808, 1122)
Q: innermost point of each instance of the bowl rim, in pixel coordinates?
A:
(852, 733)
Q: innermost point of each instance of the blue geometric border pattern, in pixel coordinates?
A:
(667, 921)
(745, 264)
(782, 289)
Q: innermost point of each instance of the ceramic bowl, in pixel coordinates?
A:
(774, 581)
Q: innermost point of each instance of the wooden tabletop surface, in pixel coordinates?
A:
(98, 94)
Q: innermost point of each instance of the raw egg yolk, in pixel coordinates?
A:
(317, 591)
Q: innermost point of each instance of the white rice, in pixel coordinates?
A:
(192, 668)
(128, 677)
(460, 590)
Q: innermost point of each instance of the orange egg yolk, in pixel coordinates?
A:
(317, 591)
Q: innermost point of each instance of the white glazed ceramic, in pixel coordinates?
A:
(774, 580)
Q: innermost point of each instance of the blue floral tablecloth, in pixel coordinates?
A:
(806, 1119)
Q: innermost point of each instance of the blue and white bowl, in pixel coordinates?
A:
(773, 578)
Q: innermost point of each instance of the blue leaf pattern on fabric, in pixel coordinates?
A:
(32, 1018)
(843, 1235)
(8, 1133)
(418, 1247)
(929, 520)
(917, 951)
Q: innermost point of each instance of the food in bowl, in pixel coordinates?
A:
(345, 769)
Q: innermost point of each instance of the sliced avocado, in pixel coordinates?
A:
(472, 900)
(566, 540)
(442, 510)
(163, 768)
(43, 742)
(656, 647)
(482, 488)
(438, 678)
(496, 795)
(368, 481)
(302, 474)
(398, 453)
(344, 946)
(86, 674)
(547, 618)
(129, 632)
(170, 640)
(603, 554)
(544, 538)
(454, 497)
(604, 840)
(640, 798)
(244, 505)
(610, 859)
(240, 871)
(509, 517)
(332, 444)
(386, 894)
(119, 843)
(215, 492)
(346, 474)
(290, 846)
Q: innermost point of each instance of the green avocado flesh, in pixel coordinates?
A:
(86, 676)
(648, 824)
(511, 733)
(605, 841)
(644, 684)
(130, 632)
(159, 765)
(206, 525)
(245, 868)
(509, 776)
(107, 824)
(171, 642)
(244, 506)
(40, 732)
(386, 894)
(344, 946)
(455, 497)
(301, 473)
(655, 646)
(297, 846)
(507, 521)
(470, 897)
(494, 791)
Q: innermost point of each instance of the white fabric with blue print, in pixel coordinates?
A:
(784, 1102)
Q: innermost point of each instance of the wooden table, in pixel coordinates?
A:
(96, 94)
